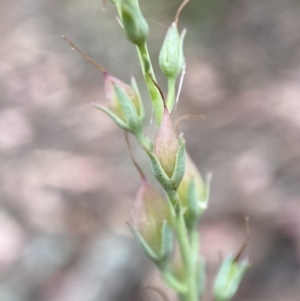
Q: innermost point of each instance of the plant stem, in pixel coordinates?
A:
(171, 94)
(173, 282)
(149, 76)
(143, 141)
(189, 254)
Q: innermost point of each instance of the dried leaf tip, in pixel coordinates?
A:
(184, 118)
(141, 173)
(180, 8)
(246, 242)
(90, 60)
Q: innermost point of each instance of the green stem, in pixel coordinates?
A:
(173, 282)
(149, 76)
(187, 246)
(171, 94)
(143, 141)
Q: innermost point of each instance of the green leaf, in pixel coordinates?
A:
(141, 111)
(114, 117)
(167, 243)
(129, 110)
(159, 172)
(229, 278)
(147, 249)
(192, 215)
(180, 164)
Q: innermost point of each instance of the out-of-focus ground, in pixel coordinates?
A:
(66, 180)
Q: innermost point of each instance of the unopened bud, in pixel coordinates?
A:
(229, 278)
(124, 104)
(171, 58)
(193, 193)
(166, 145)
(135, 25)
(152, 223)
(168, 156)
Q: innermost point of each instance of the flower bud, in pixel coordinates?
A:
(151, 223)
(124, 104)
(111, 95)
(168, 156)
(193, 193)
(135, 25)
(166, 145)
(171, 58)
(229, 278)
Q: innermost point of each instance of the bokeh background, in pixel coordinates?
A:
(66, 180)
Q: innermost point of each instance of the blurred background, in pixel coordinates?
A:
(66, 180)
